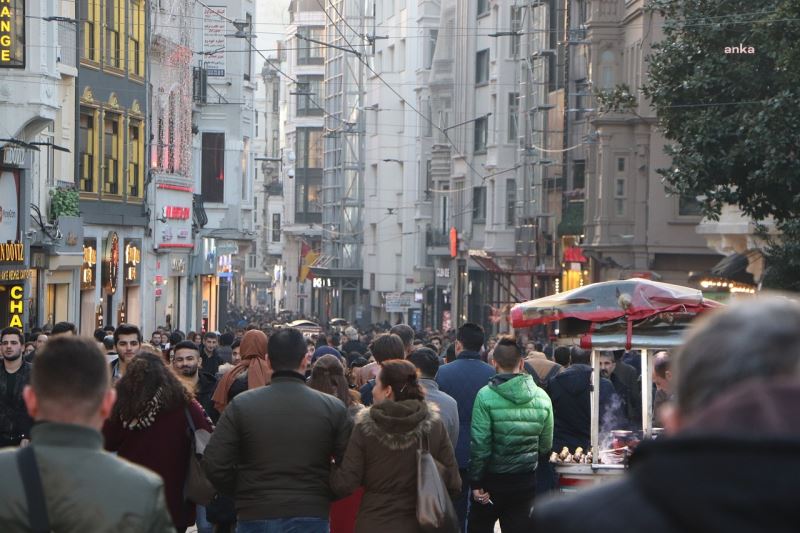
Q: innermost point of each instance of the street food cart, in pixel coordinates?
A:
(633, 314)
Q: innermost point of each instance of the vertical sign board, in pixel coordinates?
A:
(12, 33)
(213, 41)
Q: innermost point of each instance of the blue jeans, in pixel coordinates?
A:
(284, 525)
(203, 525)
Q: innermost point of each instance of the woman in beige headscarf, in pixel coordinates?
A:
(253, 371)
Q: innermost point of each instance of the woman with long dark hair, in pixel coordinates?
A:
(327, 376)
(149, 426)
(382, 453)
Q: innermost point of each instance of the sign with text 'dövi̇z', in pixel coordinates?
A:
(12, 33)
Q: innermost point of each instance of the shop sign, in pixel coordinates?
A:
(174, 212)
(177, 266)
(111, 263)
(15, 275)
(89, 262)
(72, 230)
(443, 273)
(9, 204)
(14, 156)
(227, 248)
(12, 33)
(173, 226)
(319, 283)
(12, 252)
(16, 304)
(133, 257)
(398, 302)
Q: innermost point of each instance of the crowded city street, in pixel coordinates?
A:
(399, 266)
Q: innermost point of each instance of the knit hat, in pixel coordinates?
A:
(324, 350)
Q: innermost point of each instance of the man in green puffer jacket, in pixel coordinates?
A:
(512, 423)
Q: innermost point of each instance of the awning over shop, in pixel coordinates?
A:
(731, 269)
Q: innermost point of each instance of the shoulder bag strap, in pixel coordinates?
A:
(34, 492)
(189, 419)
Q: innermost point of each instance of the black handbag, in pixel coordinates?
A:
(34, 491)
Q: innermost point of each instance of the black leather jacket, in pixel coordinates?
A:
(15, 422)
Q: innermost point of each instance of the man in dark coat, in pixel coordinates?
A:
(210, 360)
(273, 446)
(186, 362)
(570, 393)
(15, 423)
(462, 379)
(733, 461)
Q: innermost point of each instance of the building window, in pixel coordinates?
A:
(482, 67)
(136, 22)
(276, 227)
(91, 29)
(445, 225)
(135, 159)
(113, 17)
(511, 202)
(483, 7)
(171, 157)
(245, 164)
(688, 206)
(582, 93)
(112, 153)
(579, 174)
(513, 117)
(88, 149)
(257, 122)
(516, 26)
(402, 126)
(620, 164)
(248, 65)
(255, 210)
(276, 97)
(389, 66)
(430, 47)
(309, 53)
(276, 143)
(607, 76)
(309, 89)
(481, 134)
(212, 173)
(479, 204)
(308, 174)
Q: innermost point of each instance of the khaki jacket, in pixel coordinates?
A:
(85, 488)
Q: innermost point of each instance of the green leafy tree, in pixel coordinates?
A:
(732, 119)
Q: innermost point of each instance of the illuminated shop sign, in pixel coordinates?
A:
(133, 257)
(89, 261)
(12, 252)
(12, 33)
(16, 304)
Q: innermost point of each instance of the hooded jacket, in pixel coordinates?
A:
(512, 423)
(569, 392)
(734, 468)
(382, 457)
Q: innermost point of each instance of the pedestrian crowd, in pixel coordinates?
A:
(265, 429)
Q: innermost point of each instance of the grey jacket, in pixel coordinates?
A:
(85, 488)
(448, 408)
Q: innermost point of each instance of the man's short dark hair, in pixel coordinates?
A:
(108, 342)
(99, 334)
(236, 343)
(507, 352)
(210, 334)
(286, 349)
(405, 332)
(175, 337)
(65, 327)
(186, 345)
(450, 353)
(109, 328)
(226, 339)
(471, 336)
(538, 346)
(127, 329)
(12, 331)
(426, 361)
(334, 339)
(387, 347)
(579, 356)
(661, 364)
(561, 355)
(71, 370)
